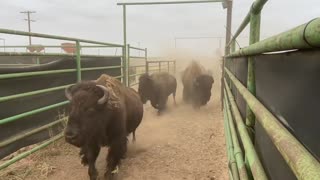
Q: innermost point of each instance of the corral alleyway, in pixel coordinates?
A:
(180, 144)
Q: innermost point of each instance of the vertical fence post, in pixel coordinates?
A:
(168, 63)
(146, 60)
(233, 46)
(159, 66)
(128, 66)
(233, 49)
(78, 61)
(174, 67)
(227, 48)
(124, 47)
(147, 67)
(251, 84)
(124, 77)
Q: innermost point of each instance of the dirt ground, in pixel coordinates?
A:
(180, 144)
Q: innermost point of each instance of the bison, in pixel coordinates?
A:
(156, 88)
(197, 84)
(102, 113)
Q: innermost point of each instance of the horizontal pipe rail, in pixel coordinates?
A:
(154, 66)
(137, 57)
(118, 77)
(160, 61)
(305, 36)
(11, 97)
(134, 84)
(27, 153)
(170, 2)
(100, 68)
(29, 133)
(23, 33)
(249, 149)
(138, 66)
(232, 162)
(29, 113)
(36, 73)
(140, 49)
(138, 74)
(18, 64)
(255, 8)
(238, 155)
(52, 54)
(56, 46)
(299, 159)
(153, 70)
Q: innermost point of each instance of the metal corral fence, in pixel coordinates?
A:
(244, 161)
(77, 70)
(138, 67)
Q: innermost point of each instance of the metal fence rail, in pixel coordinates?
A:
(145, 65)
(302, 163)
(76, 70)
(125, 76)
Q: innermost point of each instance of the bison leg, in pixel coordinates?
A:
(174, 98)
(89, 158)
(117, 150)
(185, 95)
(134, 136)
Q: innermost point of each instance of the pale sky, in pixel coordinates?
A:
(155, 27)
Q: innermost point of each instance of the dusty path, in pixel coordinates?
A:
(180, 144)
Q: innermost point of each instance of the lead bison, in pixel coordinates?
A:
(197, 84)
(102, 113)
(156, 88)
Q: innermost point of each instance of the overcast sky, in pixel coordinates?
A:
(155, 27)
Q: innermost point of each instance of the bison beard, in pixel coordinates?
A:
(156, 88)
(102, 113)
(197, 84)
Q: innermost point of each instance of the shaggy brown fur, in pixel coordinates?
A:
(197, 84)
(92, 125)
(156, 88)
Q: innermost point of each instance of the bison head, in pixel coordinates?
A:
(86, 111)
(202, 86)
(146, 88)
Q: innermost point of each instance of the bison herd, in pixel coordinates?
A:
(104, 112)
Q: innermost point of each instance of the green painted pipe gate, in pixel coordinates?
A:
(126, 59)
(302, 163)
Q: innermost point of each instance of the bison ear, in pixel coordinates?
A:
(105, 96)
(67, 93)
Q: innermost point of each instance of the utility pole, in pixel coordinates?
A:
(29, 20)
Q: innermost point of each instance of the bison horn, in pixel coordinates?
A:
(105, 95)
(68, 93)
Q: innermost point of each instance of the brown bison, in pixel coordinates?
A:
(156, 88)
(197, 84)
(102, 113)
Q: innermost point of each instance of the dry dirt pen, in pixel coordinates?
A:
(180, 144)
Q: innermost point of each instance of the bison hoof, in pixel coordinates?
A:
(112, 175)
